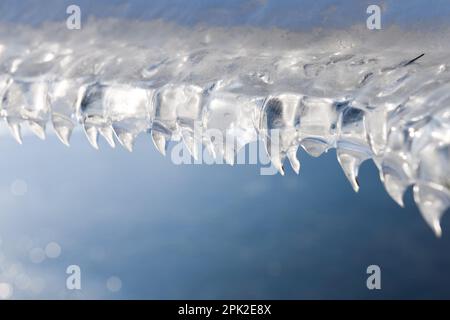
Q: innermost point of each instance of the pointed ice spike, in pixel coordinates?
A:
(432, 202)
(395, 187)
(14, 127)
(292, 156)
(278, 165)
(191, 145)
(37, 129)
(350, 164)
(63, 133)
(273, 152)
(63, 128)
(108, 134)
(92, 135)
(159, 140)
(125, 138)
(127, 141)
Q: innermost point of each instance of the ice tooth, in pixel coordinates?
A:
(125, 138)
(63, 127)
(350, 164)
(92, 135)
(395, 187)
(127, 141)
(159, 140)
(432, 201)
(273, 152)
(63, 133)
(278, 164)
(37, 128)
(108, 134)
(292, 156)
(14, 127)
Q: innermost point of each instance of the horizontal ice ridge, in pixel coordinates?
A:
(366, 98)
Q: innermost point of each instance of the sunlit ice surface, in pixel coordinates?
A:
(137, 70)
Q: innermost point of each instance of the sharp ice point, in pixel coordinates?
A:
(394, 187)
(108, 134)
(37, 129)
(432, 201)
(14, 127)
(292, 156)
(278, 165)
(159, 140)
(350, 164)
(126, 140)
(92, 136)
(63, 133)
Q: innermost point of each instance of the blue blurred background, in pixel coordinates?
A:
(204, 232)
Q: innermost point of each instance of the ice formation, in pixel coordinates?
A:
(379, 96)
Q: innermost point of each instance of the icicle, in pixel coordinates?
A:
(92, 135)
(125, 138)
(108, 134)
(276, 160)
(350, 164)
(274, 155)
(394, 184)
(14, 127)
(63, 133)
(432, 201)
(277, 163)
(63, 128)
(292, 156)
(37, 128)
(159, 140)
